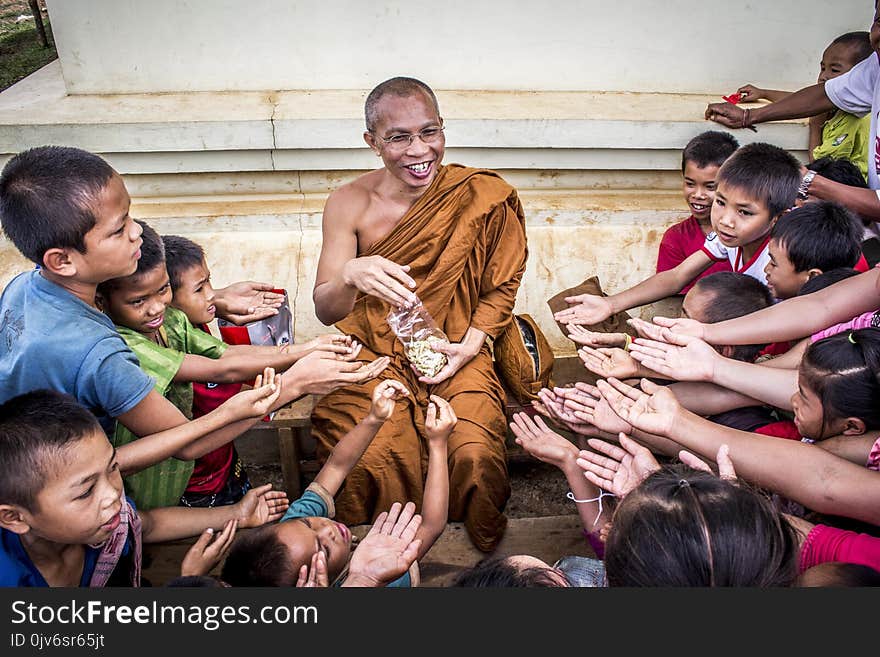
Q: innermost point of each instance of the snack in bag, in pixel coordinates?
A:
(417, 332)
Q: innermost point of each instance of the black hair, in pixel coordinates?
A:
(686, 527)
(500, 572)
(839, 170)
(766, 172)
(843, 371)
(820, 235)
(735, 295)
(826, 278)
(712, 147)
(181, 255)
(258, 558)
(401, 87)
(152, 256)
(196, 581)
(36, 431)
(839, 574)
(860, 42)
(47, 197)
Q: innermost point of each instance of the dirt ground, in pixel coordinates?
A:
(537, 489)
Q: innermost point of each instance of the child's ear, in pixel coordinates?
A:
(13, 519)
(812, 273)
(100, 301)
(854, 427)
(57, 261)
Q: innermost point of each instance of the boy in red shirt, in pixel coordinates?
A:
(700, 160)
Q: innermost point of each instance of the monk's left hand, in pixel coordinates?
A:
(457, 356)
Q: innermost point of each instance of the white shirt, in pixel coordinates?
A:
(858, 92)
(713, 248)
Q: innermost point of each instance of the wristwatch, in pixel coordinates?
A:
(804, 187)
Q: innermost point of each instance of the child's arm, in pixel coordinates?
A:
(591, 309)
(439, 422)
(256, 508)
(791, 359)
(548, 446)
(582, 336)
(247, 301)
(685, 358)
(791, 319)
(352, 446)
(165, 432)
(804, 473)
(708, 398)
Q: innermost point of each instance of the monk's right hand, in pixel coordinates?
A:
(382, 278)
(320, 373)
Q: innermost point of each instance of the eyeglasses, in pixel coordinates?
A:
(402, 142)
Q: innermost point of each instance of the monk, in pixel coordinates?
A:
(454, 238)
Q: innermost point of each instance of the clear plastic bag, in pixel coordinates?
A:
(417, 331)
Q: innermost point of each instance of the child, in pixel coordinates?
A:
(67, 210)
(64, 517)
(755, 186)
(700, 161)
(273, 556)
(171, 351)
(219, 476)
(809, 240)
(837, 134)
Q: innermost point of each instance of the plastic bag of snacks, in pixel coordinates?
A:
(417, 331)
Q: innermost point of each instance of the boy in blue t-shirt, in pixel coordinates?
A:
(67, 210)
(64, 516)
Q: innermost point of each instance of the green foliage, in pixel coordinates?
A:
(21, 52)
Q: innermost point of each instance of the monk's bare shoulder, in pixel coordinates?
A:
(352, 200)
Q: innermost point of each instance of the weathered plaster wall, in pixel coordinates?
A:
(130, 46)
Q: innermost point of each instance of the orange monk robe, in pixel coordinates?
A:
(465, 242)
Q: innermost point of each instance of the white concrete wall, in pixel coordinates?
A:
(133, 46)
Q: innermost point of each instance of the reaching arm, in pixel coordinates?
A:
(854, 449)
(591, 309)
(809, 101)
(352, 446)
(709, 399)
(804, 473)
(439, 421)
(256, 508)
(798, 317)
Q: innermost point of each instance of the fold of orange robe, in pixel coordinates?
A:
(465, 242)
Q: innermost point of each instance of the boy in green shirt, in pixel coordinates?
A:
(175, 354)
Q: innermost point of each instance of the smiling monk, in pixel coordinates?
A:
(455, 238)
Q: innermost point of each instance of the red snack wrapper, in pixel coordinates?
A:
(733, 98)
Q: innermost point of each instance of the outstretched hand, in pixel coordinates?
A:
(259, 400)
(607, 362)
(725, 464)
(388, 550)
(588, 405)
(653, 409)
(677, 356)
(595, 339)
(261, 505)
(621, 469)
(587, 309)
(247, 301)
(540, 441)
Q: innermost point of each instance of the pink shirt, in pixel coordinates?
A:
(824, 544)
(867, 320)
(681, 240)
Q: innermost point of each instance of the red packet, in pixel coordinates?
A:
(733, 98)
(272, 331)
